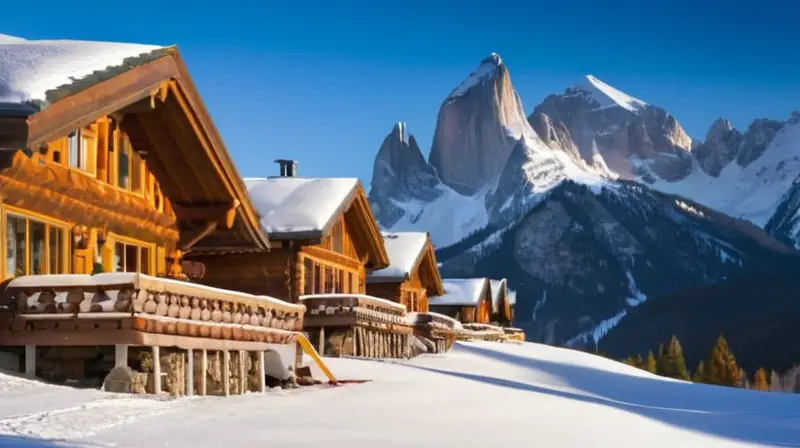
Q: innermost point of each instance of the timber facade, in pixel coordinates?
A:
(413, 273)
(466, 300)
(104, 190)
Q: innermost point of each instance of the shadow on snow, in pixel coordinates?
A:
(743, 415)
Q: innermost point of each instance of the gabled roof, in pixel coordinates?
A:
(48, 88)
(499, 290)
(462, 292)
(409, 251)
(306, 209)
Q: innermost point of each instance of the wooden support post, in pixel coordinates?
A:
(370, 343)
(156, 369)
(121, 355)
(262, 372)
(189, 372)
(203, 372)
(226, 372)
(321, 341)
(359, 342)
(30, 361)
(384, 352)
(242, 371)
(395, 345)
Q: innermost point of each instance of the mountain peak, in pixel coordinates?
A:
(489, 67)
(605, 95)
(400, 131)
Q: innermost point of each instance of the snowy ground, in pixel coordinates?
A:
(479, 395)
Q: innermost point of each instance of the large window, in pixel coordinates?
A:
(131, 258)
(33, 247)
(322, 278)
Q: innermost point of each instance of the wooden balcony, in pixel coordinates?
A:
(357, 325)
(130, 308)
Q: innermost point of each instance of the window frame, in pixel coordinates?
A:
(62, 227)
(114, 239)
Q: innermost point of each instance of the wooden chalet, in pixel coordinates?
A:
(466, 300)
(324, 242)
(502, 314)
(413, 273)
(110, 165)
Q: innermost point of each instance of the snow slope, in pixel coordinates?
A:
(605, 95)
(482, 393)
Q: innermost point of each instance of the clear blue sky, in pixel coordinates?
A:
(324, 81)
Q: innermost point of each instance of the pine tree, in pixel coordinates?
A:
(721, 365)
(651, 362)
(676, 362)
(661, 361)
(637, 361)
(700, 373)
(760, 381)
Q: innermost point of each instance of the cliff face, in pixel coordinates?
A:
(478, 126)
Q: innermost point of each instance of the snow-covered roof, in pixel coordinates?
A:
(405, 250)
(294, 207)
(607, 96)
(497, 287)
(34, 73)
(462, 291)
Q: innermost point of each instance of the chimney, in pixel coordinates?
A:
(288, 167)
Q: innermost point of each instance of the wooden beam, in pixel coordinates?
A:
(226, 372)
(223, 214)
(262, 371)
(242, 371)
(156, 369)
(30, 361)
(121, 355)
(190, 238)
(189, 372)
(203, 372)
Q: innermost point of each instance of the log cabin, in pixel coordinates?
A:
(111, 170)
(413, 273)
(501, 307)
(324, 242)
(466, 300)
(324, 239)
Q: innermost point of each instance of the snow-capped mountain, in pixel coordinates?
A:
(559, 202)
(748, 175)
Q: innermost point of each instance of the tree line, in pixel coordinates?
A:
(720, 367)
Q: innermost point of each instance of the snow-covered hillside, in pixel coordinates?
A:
(482, 393)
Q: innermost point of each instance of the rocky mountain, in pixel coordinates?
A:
(748, 175)
(566, 203)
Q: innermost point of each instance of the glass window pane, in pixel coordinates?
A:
(37, 248)
(124, 165)
(145, 261)
(56, 259)
(119, 257)
(328, 280)
(73, 149)
(15, 246)
(131, 258)
(317, 279)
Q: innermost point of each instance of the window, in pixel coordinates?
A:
(81, 146)
(308, 276)
(33, 247)
(131, 258)
(129, 166)
(329, 286)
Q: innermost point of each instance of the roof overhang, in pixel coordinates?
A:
(165, 86)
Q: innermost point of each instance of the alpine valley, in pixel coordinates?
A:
(591, 204)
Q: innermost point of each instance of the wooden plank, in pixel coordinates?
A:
(187, 342)
(73, 338)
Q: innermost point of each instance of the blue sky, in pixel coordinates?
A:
(323, 82)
